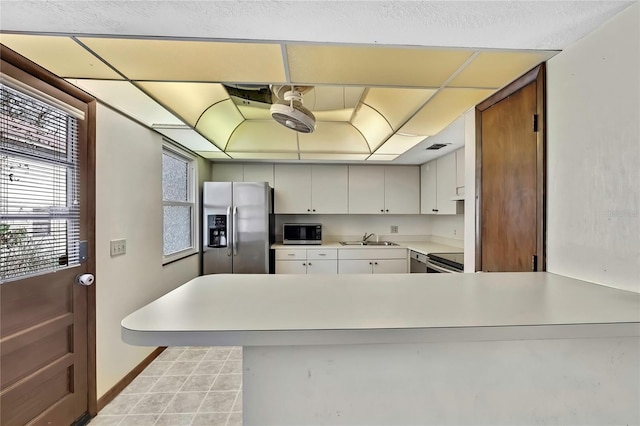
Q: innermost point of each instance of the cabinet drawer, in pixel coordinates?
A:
(373, 253)
(289, 254)
(321, 254)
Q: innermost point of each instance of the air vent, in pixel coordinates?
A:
(437, 146)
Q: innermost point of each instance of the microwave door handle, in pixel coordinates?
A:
(229, 238)
(235, 230)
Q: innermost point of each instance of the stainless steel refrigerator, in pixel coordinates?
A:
(238, 228)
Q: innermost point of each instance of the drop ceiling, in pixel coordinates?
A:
(372, 102)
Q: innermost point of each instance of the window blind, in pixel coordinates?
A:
(39, 188)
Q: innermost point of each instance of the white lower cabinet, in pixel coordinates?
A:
(306, 261)
(372, 261)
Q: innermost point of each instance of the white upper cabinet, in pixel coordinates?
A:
(304, 189)
(384, 189)
(439, 186)
(401, 190)
(428, 204)
(329, 189)
(460, 172)
(227, 172)
(238, 172)
(366, 189)
(292, 192)
(259, 172)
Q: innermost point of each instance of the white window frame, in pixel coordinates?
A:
(192, 185)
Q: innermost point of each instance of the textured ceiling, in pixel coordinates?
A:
(414, 89)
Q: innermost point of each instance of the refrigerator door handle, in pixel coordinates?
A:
(235, 230)
(227, 232)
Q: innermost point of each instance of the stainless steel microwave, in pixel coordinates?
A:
(301, 233)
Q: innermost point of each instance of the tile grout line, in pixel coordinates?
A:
(214, 381)
(234, 401)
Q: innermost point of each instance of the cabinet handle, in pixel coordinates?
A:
(304, 264)
(314, 210)
(370, 263)
(387, 210)
(322, 254)
(309, 263)
(308, 210)
(382, 210)
(290, 254)
(375, 263)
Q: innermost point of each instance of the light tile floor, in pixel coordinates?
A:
(183, 386)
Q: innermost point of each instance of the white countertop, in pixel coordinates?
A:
(343, 309)
(424, 247)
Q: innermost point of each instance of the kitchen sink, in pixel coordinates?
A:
(368, 243)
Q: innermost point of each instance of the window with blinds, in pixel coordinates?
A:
(39, 206)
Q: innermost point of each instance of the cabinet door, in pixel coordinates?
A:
(355, 266)
(259, 173)
(329, 189)
(428, 177)
(390, 266)
(325, 267)
(401, 190)
(227, 172)
(366, 189)
(446, 184)
(292, 191)
(291, 266)
(460, 169)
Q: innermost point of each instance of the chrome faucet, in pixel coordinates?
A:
(365, 237)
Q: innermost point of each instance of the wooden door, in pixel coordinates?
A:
(511, 152)
(47, 334)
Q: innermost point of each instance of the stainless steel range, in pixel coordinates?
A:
(445, 262)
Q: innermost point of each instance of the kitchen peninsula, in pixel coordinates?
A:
(494, 348)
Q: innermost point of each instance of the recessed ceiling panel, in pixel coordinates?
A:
(60, 55)
(373, 126)
(128, 99)
(332, 157)
(442, 109)
(218, 122)
(264, 155)
(189, 100)
(328, 98)
(192, 60)
(382, 157)
(396, 104)
(497, 69)
(372, 65)
(398, 144)
(254, 112)
(188, 138)
(337, 115)
(262, 136)
(333, 137)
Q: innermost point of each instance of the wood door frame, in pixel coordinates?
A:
(38, 73)
(536, 75)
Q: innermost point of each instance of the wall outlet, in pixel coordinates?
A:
(455, 232)
(118, 247)
(394, 229)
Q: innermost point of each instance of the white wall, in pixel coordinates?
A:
(129, 205)
(470, 190)
(594, 156)
(450, 227)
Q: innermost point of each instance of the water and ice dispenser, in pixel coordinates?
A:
(217, 224)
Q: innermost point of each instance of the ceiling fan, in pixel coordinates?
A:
(289, 111)
(285, 100)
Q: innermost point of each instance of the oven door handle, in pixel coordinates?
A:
(438, 268)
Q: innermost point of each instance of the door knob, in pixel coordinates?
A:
(85, 279)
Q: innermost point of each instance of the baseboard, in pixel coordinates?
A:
(126, 380)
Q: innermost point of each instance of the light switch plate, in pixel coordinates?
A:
(394, 229)
(118, 247)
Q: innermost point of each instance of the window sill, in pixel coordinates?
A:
(178, 256)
